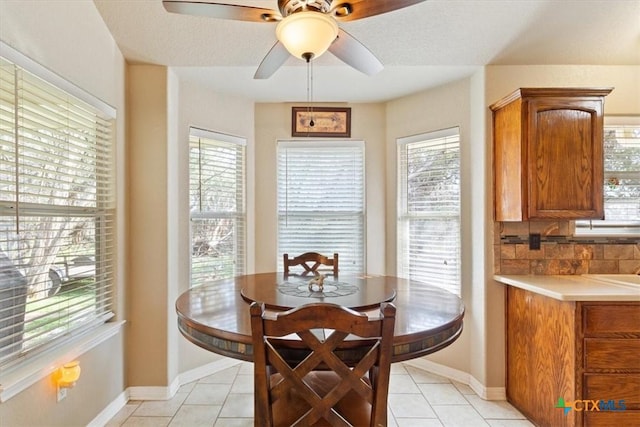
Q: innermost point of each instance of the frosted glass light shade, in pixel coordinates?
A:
(307, 32)
(69, 374)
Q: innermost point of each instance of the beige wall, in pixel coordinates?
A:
(230, 115)
(147, 293)
(623, 100)
(101, 381)
(440, 108)
(161, 110)
(70, 39)
(273, 123)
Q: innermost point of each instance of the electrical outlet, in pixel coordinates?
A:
(62, 393)
(534, 242)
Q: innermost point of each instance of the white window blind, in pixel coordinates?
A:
(217, 198)
(429, 208)
(321, 200)
(57, 210)
(621, 181)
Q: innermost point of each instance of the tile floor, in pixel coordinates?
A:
(416, 398)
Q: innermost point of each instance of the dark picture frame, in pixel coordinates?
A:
(334, 122)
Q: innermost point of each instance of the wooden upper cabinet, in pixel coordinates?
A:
(548, 154)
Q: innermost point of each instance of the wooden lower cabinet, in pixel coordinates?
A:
(585, 353)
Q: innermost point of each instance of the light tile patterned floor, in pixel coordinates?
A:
(416, 399)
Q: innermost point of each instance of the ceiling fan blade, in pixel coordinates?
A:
(222, 11)
(348, 49)
(277, 56)
(357, 9)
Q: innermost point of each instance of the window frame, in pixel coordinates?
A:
(349, 262)
(404, 216)
(104, 211)
(610, 228)
(239, 215)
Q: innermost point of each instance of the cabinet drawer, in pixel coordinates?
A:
(612, 419)
(600, 319)
(612, 354)
(614, 387)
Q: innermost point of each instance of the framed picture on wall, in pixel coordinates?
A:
(321, 122)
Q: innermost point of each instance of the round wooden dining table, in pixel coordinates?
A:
(215, 315)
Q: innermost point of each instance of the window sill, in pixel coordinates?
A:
(39, 367)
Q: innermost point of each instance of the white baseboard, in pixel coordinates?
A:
(486, 393)
(166, 393)
(110, 411)
(206, 370)
(160, 393)
(151, 392)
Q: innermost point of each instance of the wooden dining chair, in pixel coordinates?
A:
(322, 389)
(311, 262)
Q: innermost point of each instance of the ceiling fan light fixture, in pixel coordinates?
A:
(307, 32)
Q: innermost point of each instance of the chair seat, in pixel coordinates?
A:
(286, 410)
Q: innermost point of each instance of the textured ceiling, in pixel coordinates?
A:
(421, 46)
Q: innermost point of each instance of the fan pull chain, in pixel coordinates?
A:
(307, 57)
(311, 123)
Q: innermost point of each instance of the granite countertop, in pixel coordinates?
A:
(586, 287)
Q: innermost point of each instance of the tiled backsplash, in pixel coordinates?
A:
(560, 253)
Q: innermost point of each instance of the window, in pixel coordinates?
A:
(217, 205)
(621, 181)
(57, 209)
(321, 200)
(429, 208)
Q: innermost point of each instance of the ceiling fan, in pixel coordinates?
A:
(305, 28)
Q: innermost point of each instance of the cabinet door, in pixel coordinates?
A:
(541, 356)
(565, 158)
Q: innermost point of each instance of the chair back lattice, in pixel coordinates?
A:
(327, 387)
(311, 262)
